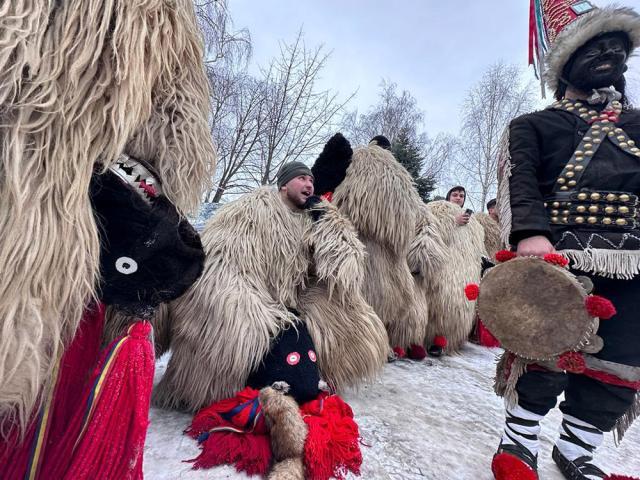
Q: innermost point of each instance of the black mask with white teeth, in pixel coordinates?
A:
(599, 63)
(149, 254)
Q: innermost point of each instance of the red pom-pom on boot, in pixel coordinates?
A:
(440, 341)
(399, 352)
(439, 344)
(417, 352)
(509, 467)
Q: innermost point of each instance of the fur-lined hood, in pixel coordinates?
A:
(584, 28)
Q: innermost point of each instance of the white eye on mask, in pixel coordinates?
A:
(126, 265)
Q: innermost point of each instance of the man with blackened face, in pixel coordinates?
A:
(571, 182)
(599, 63)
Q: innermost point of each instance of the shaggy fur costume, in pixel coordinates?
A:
(492, 242)
(259, 254)
(81, 82)
(379, 198)
(450, 313)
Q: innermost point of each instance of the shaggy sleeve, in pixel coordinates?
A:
(338, 254)
(427, 251)
(529, 216)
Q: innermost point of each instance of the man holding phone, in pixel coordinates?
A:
(458, 195)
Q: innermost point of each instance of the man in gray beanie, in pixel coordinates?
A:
(295, 184)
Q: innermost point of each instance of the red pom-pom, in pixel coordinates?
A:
(505, 255)
(399, 351)
(327, 196)
(572, 362)
(556, 259)
(417, 352)
(440, 341)
(600, 307)
(509, 467)
(472, 291)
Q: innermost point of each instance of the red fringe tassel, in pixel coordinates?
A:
(112, 441)
(332, 448)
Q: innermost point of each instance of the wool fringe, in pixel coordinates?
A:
(621, 264)
(508, 370)
(624, 422)
(503, 199)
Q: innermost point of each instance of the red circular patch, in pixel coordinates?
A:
(293, 358)
(312, 356)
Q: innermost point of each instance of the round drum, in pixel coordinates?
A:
(536, 310)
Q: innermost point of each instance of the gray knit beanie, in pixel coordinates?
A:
(291, 170)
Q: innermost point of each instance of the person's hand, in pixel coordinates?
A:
(462, 218)
(536, 246)
(311, 204)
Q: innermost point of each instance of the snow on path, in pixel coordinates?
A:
(437, 420)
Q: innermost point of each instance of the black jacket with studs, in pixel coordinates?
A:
(540, 145)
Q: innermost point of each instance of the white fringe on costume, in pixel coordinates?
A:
(258, 255)
(450, 313)
(81, 82)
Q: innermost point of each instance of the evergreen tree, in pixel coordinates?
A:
(410, 156)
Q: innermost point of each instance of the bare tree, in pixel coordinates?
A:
(397, 114)
(499, 96)
(394, 113)
(236, 130)
(223, 44)
(297, 118)
(438, 152)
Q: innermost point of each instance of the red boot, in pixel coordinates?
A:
(513, 462)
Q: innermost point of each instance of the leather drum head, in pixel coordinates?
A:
(535, 309)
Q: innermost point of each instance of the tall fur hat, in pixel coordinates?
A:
(330, 167)
(560, 27)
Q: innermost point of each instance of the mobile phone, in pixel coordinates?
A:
(468, 211)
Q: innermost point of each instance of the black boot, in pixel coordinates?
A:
(578, 469)
(435, 351)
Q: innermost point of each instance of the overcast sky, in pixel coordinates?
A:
(435, 50)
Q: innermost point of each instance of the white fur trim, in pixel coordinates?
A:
(583, 29)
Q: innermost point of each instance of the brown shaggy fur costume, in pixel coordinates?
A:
(81, 82)
(450, 313)
(379, 198)
(259, 255)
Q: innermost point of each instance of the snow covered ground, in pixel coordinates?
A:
(437, 419)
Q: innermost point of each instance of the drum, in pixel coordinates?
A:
(538, 309)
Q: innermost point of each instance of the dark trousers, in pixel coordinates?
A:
(597, 403)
